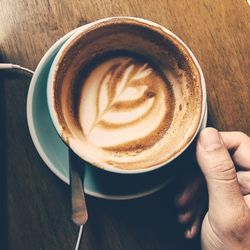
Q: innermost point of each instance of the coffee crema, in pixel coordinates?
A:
(127, 95)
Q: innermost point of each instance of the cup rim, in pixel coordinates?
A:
(53, 70)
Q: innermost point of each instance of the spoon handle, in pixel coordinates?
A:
(79, 209)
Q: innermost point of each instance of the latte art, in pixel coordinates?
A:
(125, 106)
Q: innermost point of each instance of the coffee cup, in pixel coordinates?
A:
(126, 95)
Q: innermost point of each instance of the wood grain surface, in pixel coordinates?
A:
(35, 204)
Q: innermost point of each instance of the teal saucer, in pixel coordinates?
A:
(54, 152)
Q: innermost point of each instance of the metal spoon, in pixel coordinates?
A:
(78, 203)
(79, 209)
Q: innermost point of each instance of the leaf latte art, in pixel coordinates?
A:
(125, 106)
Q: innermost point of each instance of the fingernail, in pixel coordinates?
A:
(181, 200)
(188, 234)
(185, 217)
(191, 232)
(210, 139)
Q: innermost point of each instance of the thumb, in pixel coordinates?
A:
(219, 171)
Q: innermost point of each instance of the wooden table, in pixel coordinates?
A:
(35, 204)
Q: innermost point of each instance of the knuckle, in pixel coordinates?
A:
(244, 178)
(242, 135)
(223, 170)
(224, 166)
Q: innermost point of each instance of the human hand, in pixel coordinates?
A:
(227, 222)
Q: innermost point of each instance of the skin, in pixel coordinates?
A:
(224, 160)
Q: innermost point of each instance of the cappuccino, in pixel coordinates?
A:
(127, 95)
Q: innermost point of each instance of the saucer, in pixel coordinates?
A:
(54, 152)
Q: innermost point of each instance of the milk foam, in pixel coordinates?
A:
(123, 102)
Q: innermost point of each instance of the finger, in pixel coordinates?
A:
(196, 208)
(186, 216)
(189, 193)
(194, 229)
(239, 143)
(244, 181)
(219, 171)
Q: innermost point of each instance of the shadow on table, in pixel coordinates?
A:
(148, 223)
(3, 182)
